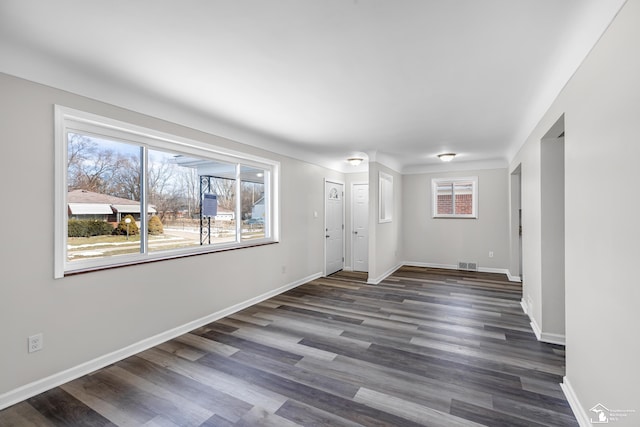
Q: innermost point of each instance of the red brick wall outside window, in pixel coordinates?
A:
(465, 191)
(464, 204)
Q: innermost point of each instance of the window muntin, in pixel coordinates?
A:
(455, 197)
(108, 173)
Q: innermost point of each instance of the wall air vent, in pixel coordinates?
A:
(469, 266)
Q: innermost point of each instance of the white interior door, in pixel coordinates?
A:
(360, 227)
(334, 227)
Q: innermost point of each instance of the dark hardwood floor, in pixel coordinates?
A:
(425, 347)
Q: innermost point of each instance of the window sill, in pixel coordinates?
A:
(163, 258)
(455, 217)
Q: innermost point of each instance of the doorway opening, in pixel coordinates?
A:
(516, 268)
(552, 191)
(334, 227)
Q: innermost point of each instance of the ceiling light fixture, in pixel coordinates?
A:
(446, 157)
(354, 161)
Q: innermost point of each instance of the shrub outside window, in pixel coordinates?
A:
(126, 194)
(455, 197)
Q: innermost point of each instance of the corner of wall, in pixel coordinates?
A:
(380, 278)
(513, 278)
(546, 337)
(581, 415)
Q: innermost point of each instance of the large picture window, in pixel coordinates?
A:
(455, 197)
(126, 194)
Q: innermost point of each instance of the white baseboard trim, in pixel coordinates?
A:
(523, 303)
(29, 390)
(383, 276)
(455, 267)
(546, 336)
(494, 270)
(580, 414)
(513, 278)
(430, 265)
(535, 327)
(434, 265)
(347, 268)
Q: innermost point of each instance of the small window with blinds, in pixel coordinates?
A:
(455, 197)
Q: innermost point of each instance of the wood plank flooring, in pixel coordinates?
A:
(426, 347)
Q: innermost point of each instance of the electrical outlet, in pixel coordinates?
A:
(490, 254)
(36, 342)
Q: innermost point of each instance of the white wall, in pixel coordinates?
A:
(385, 239)
(445, 241)
(91, 315)
(601, 106)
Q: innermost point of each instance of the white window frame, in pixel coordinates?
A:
(435, 182)
(75, 121)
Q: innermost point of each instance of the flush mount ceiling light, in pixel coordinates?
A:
(354, 161)
(446, 157)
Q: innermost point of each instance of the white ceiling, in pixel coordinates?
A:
(400, 81)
